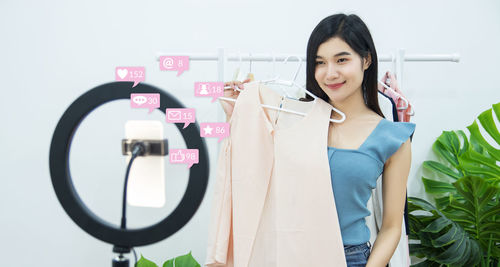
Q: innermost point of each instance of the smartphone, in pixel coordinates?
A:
(146, 181)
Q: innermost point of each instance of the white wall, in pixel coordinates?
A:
(54, 51)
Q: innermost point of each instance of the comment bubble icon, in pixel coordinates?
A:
(139, 100)
(150, 101)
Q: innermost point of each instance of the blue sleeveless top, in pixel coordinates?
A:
(354, 173)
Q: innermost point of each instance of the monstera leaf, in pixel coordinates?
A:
(477, 214)
(466, 191)
(442, 241)
(462, 157)
(466, 232)
(486, 119)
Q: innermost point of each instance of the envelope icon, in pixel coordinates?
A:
(174, 115)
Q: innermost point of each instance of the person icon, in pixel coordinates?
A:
(204, 90)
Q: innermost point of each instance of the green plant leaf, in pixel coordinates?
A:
(493, 180)
(169, 263)
(485, 224)
(465, 145)
(464, 229)
(474, 131)
(465, 207)
(448, 238)
(475, 253)
(441, 168)
(436, 187)
(495, 251)
(487, 214)
(465, 254)
(441, 149)
(418, 250)
(479, 159)
(455, 251)
(182, 261)
(496, 109)
(442, 202)
(421, 203)
(486, 119)
(450, 140)
(442, 241)
(187, 261)
(143, 262)
(460, 218)
(476, 191)
(493, 234)
(473, 169)
(474, 144)
(437, 225)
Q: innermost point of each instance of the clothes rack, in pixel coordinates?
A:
(221, 57)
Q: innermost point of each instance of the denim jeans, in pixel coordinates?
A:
(357, 255)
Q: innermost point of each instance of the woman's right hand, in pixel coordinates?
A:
(228, 106)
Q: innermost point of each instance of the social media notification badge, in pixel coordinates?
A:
(215, 129)
(209, 89)
(149, 101)
(130, 74)
(184, 156)
(180, 115)
(174, 63)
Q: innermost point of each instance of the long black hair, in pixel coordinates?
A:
(352, 30)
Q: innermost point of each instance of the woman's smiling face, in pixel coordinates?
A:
(339, 70)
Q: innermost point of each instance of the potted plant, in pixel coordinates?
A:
(463, 228)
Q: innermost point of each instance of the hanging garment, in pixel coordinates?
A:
(273, 202)
(403, 114)
(400, 256)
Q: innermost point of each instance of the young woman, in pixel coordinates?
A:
(342, 70)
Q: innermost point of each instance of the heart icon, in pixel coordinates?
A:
(122, 73)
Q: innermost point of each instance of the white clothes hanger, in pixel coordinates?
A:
(284, 109)
(402, 98)
(293, 83)
(276, 80)
(397, 94)
(393, 61)
(288, 83)
(237, 74)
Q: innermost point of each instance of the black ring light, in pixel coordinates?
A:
(71, 202)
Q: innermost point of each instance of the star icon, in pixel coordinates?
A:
(208, 129)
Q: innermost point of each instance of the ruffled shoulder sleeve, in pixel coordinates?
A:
(389, 138)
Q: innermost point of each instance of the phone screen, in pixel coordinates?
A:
(146, 182)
